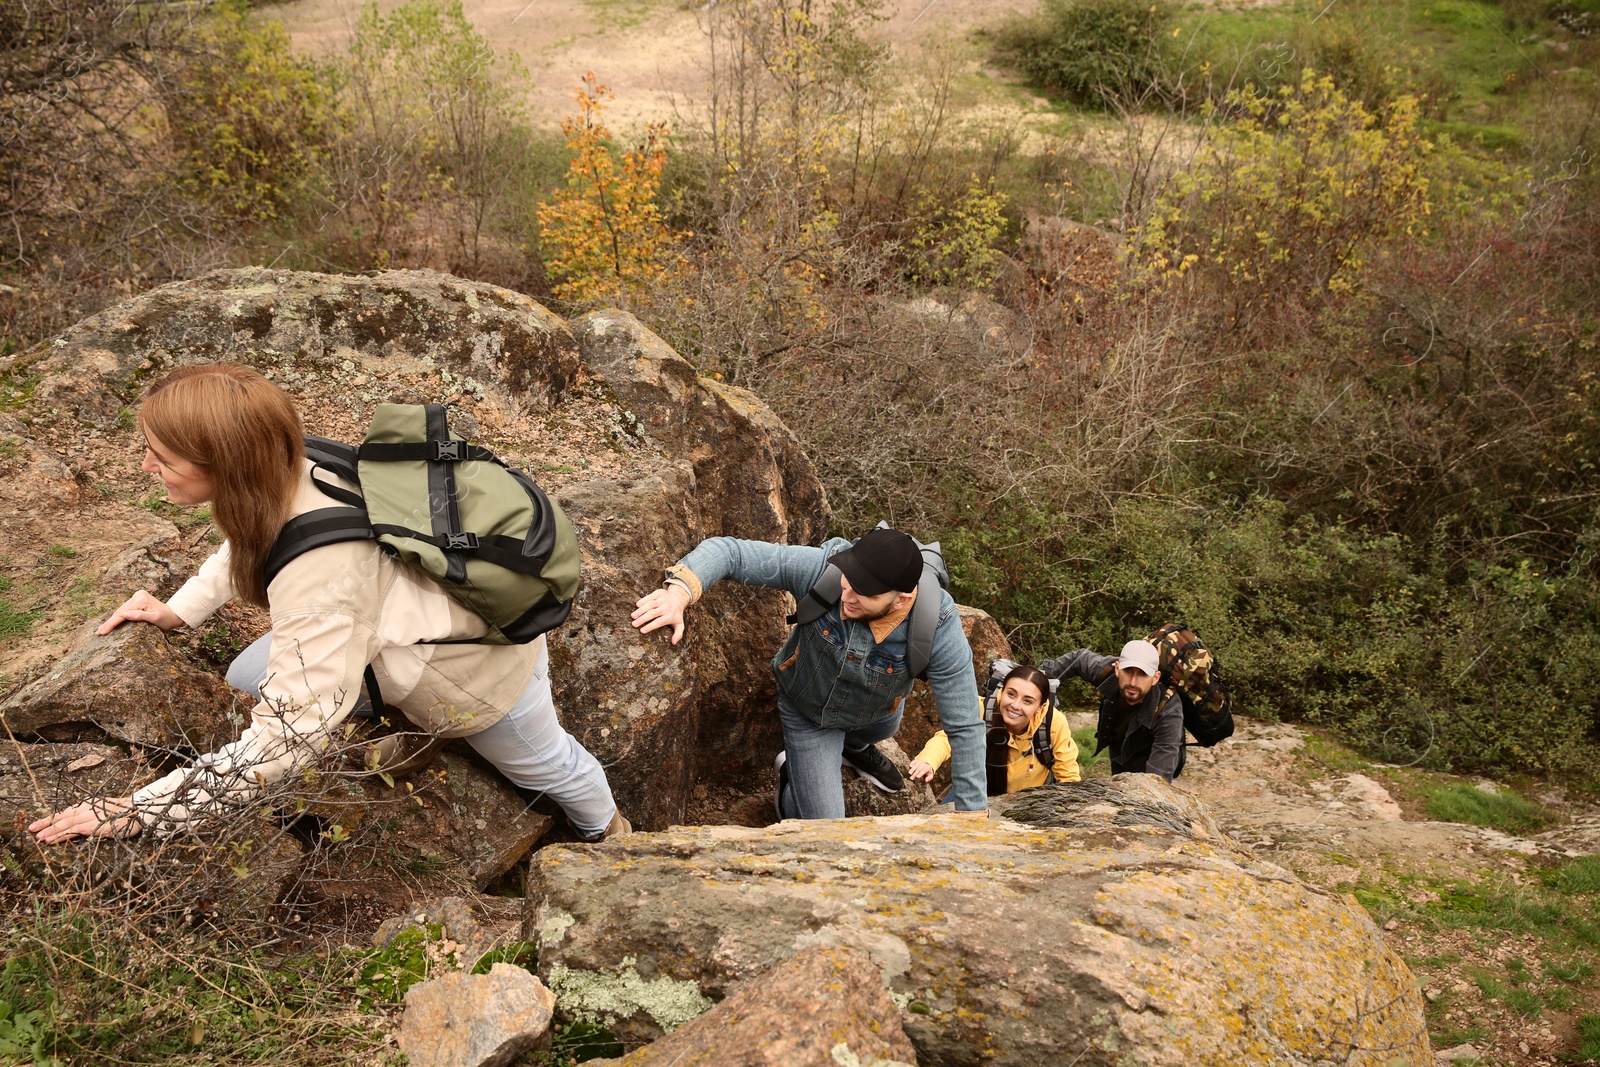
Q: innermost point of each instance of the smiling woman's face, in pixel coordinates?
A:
(187, 483)
(1019, 702)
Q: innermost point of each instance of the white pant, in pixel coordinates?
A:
(528, 745)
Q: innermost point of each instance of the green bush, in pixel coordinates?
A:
(1311, 621)
(1096, 52)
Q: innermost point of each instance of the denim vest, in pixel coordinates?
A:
(838, 676)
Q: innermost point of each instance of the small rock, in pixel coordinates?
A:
(823, 1006)
(1458, 1054)
(475, 1020)
(1392, 924)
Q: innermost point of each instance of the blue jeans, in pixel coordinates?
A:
(528, 745)
(814, 756)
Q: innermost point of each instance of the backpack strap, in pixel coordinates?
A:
(314, 529)
(338, 459)
(924, 622)
(1043, 750)
(822, 595)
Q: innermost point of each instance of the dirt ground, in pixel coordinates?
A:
(651, 53)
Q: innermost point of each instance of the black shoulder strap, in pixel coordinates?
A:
(822, 595)
(325, 526)
(1043, 750)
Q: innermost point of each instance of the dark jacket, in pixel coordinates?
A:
(1148, 738)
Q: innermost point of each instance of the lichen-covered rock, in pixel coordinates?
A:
(475, 1020)
(824, 1006)
(130, 685)
(1115, 926)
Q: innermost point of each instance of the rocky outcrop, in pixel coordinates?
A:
(1101, 922)
(130, 685)
(475, 1020)
(861, 798)
(646, 457)
(826, 1005)
(458, 813)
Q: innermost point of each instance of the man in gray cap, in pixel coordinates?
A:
(843, 676)
(1140, 721)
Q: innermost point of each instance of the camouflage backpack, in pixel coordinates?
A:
(1189, 667)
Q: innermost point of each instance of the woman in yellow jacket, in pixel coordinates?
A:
(1019, 708)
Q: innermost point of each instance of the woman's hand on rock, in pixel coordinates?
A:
(662, 607)
(93, 818)
(141, 607)
(920, 771)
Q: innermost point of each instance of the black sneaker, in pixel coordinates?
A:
(876, 768)
(781, 765)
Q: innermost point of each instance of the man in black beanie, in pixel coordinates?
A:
(843, 674)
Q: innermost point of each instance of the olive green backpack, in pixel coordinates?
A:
(451, 509)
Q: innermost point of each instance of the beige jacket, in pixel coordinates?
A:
(335, 610)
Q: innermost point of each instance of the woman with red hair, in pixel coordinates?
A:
(223, 435)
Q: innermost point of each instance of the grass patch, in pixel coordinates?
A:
(14, 623)
(1454, 52)
(76, 988)
(1084, 736)
(1504, 811)
(1575, 877)
(1588, 1048)
(1567, 970)
(1453, 1037)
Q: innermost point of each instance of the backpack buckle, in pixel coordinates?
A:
(460, 541)
(449, 451)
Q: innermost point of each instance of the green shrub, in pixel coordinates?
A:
(1096, 52)
(1503, 810)
(1084, 736)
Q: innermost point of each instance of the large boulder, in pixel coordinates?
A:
(1102, 922)
(646, 456)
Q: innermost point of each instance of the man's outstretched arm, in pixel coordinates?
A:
(791, 567)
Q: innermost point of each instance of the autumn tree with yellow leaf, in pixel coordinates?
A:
(602, 231)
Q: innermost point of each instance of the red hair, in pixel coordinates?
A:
(228, 419)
